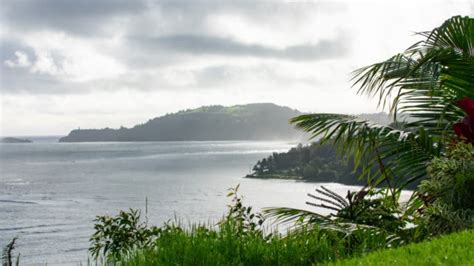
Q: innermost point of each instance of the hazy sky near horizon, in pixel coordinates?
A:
(95, 64)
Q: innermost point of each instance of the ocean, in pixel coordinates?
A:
(51, 192)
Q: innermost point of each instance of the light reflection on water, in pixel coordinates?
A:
(51, 192)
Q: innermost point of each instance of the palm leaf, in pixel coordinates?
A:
(422, 84)
(405, 153)
(284, 215)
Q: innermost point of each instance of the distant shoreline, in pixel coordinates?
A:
(276, 176)
(301, 179)
(12, 140)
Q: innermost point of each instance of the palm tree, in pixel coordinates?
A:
(419, 87)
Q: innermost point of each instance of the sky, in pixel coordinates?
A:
(108, 63)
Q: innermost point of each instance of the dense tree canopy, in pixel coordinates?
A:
(313, 162)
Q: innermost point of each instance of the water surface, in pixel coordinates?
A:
(51, 192)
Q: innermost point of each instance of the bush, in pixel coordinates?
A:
(116, 237)
(448, 191)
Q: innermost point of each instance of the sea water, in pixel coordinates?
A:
(51, 192)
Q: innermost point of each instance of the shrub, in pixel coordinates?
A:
(116, 237)
(448, 191)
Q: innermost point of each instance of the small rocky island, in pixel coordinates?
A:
(14, 140)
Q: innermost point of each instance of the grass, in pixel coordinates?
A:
(239, 239)
(454, 249)
(203, 246)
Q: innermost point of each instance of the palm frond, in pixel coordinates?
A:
(442, 65)
(335, 201)
(404, 153)
(284, 215)
(422, 84)
(336, 198)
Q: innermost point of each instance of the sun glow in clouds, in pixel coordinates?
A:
(172, 55)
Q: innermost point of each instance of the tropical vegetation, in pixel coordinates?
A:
(429, 90)
(313, 162)
(240, 238)
(432, 82)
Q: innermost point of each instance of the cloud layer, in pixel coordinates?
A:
(98, 56)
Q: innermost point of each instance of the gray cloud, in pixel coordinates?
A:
(19, 79)
(209, 45)
(22, 81)
(89, 17)
(181, 26)
(85, 17)
(218, 76)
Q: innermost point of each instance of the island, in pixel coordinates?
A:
(312, 162)
(258, 121)
(14, 140)
(316, 162)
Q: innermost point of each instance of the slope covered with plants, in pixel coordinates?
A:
(313, 163)
(454, 249)
(259, 121)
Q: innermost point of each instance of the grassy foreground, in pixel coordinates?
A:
(454, 249)
(201, 246)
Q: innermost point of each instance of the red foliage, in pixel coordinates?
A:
(465, 128)
(467, 105)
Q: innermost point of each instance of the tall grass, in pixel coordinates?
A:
(238, 239)
(201, 245)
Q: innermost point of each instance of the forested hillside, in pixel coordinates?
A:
(261, 121)
(313, 162)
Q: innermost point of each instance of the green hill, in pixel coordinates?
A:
(260, 121)
(312, 162)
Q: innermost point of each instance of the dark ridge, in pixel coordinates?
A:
(259, 121)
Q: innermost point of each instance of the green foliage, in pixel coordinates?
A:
(204, 246)
(377, 211)
(115, 237)
(371, 208)
(313, 162)
(421, 83)
(241, 217)
(454, 249)
(396, 155)
(238, 239)
(448, 191)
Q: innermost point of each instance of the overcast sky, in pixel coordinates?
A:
(95, 64)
